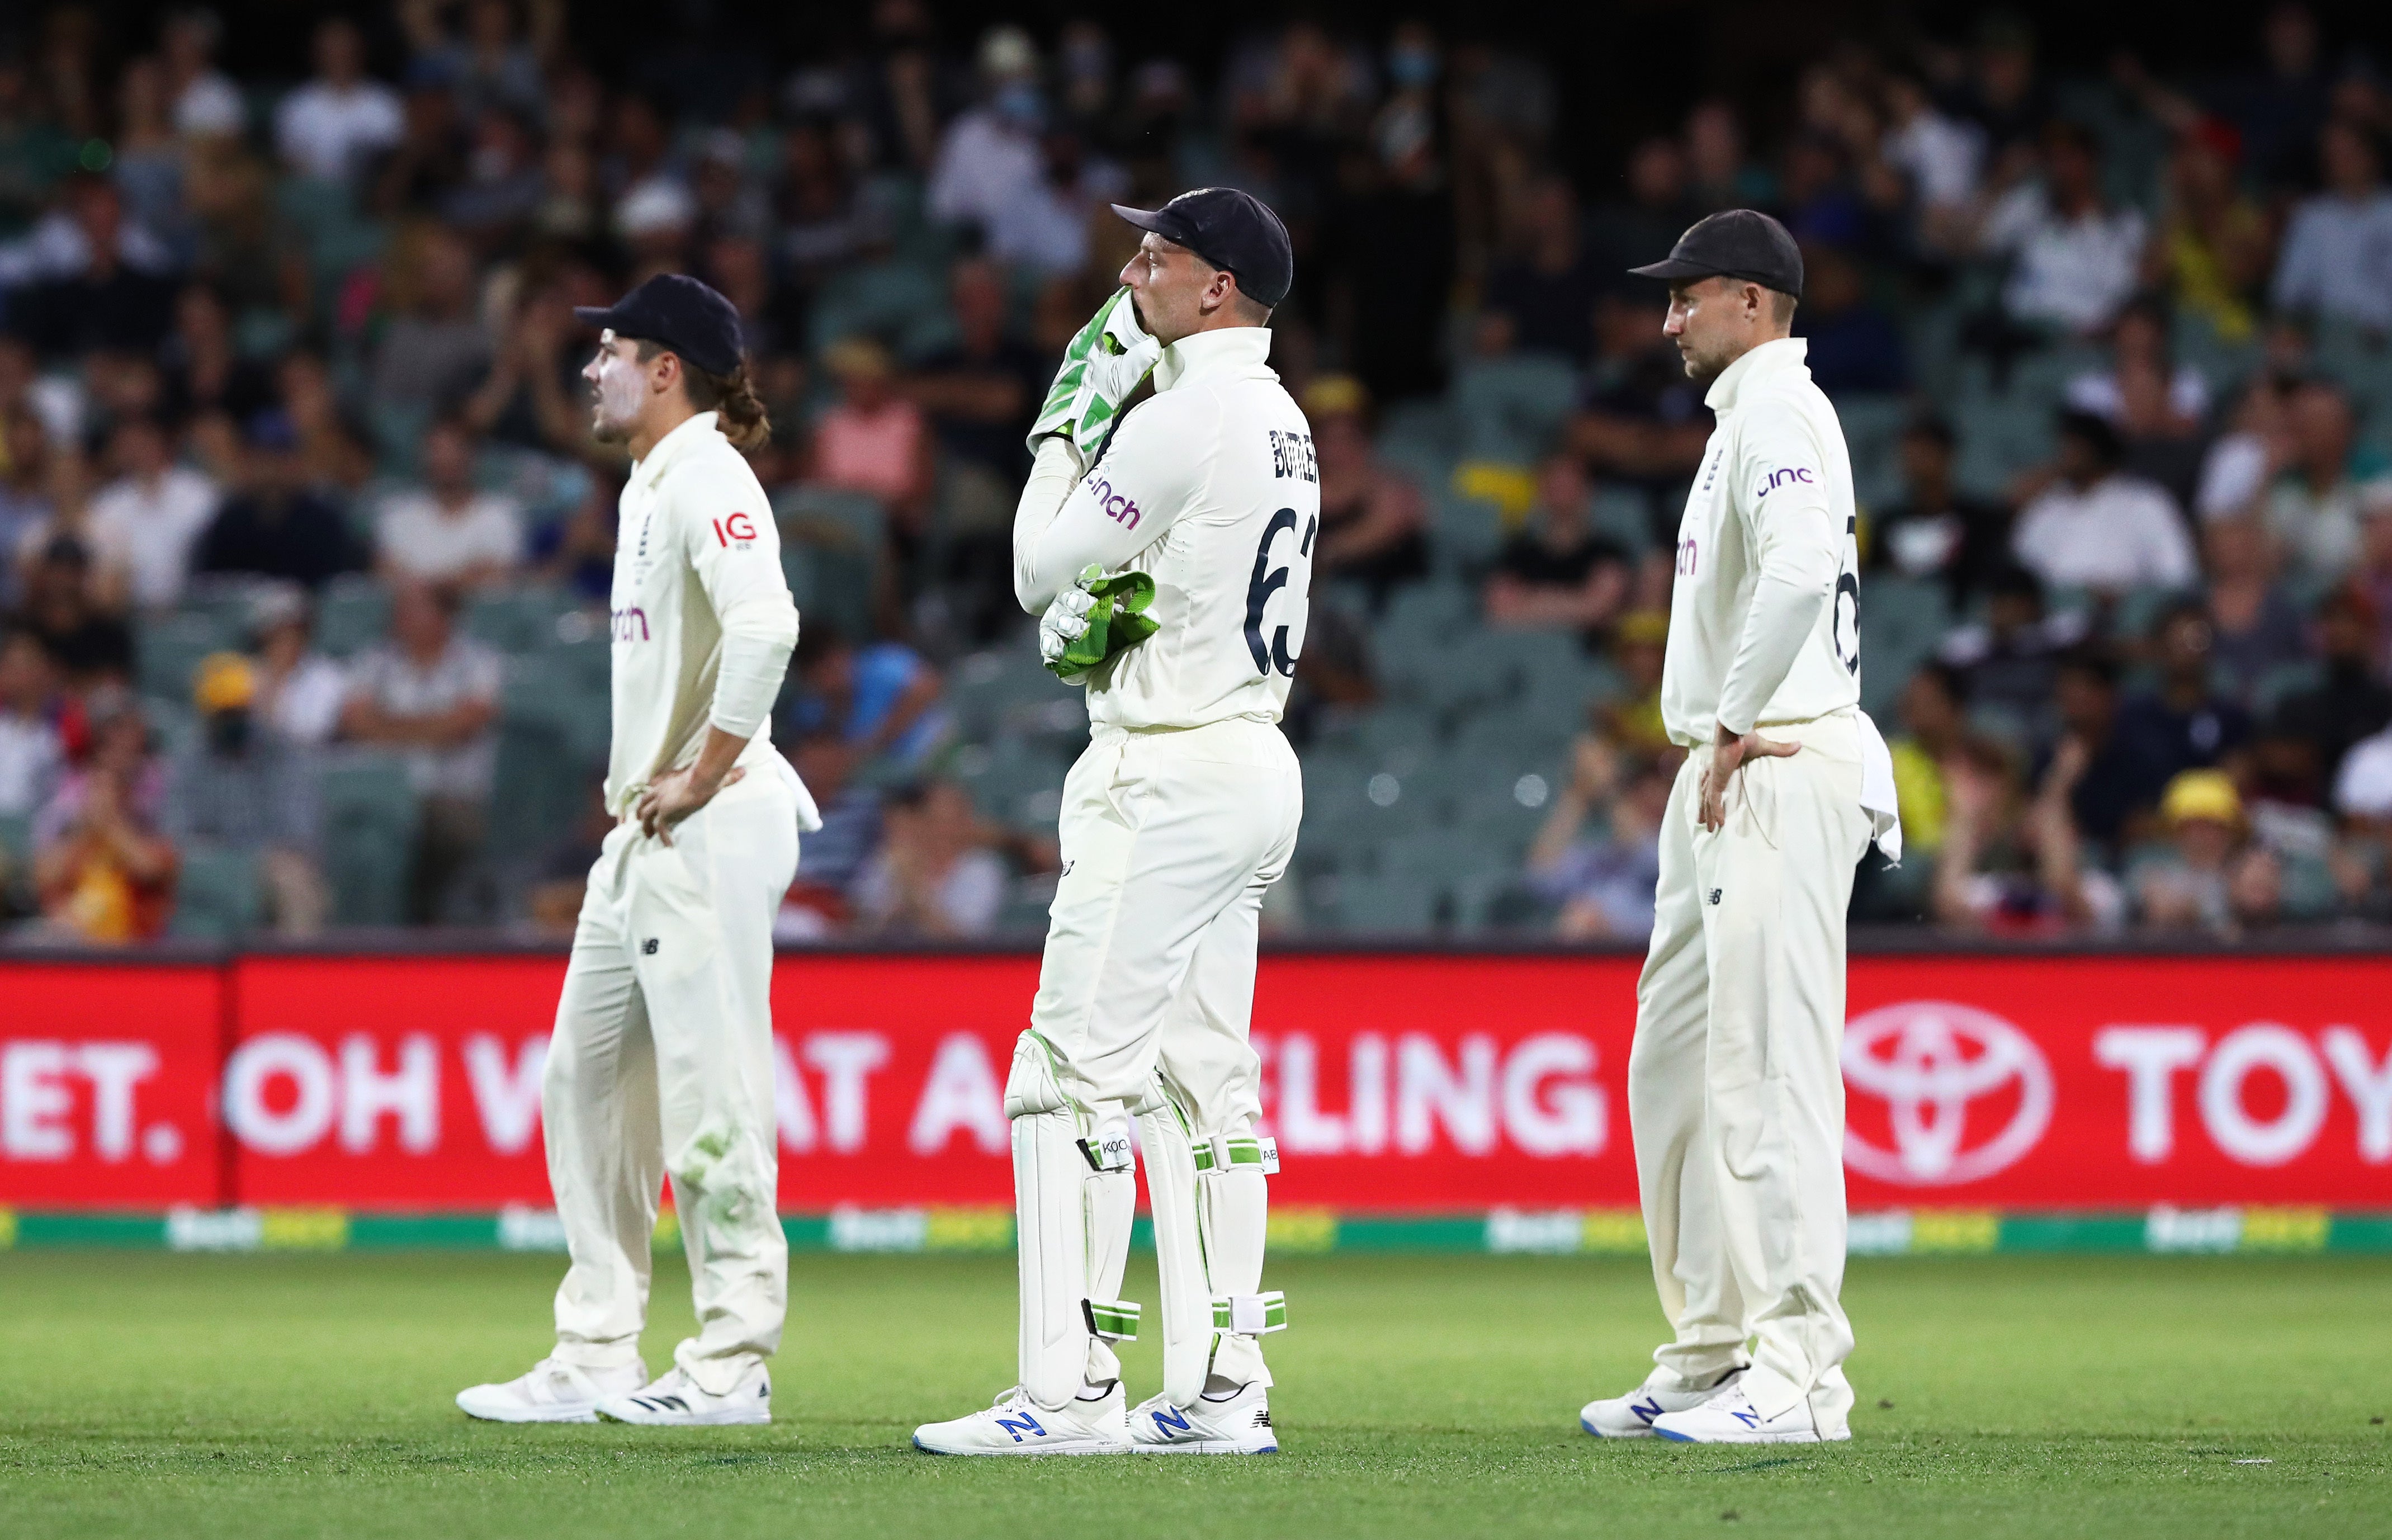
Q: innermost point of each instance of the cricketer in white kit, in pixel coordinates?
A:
(1177, 819)
(1735, 1094)
(661, 1062)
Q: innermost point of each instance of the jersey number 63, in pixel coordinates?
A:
(1274, 656)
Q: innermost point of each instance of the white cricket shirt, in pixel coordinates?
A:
(1211, 486)
(702, 619)
(1764, 616)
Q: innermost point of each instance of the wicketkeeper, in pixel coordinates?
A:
(1734, 1091)
(1167, 550)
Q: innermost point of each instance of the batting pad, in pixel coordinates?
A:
(1110, 1190)
(1050, 1217)
(1234, 1202)
(1179, 1250)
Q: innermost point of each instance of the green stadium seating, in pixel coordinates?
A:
(369, 838)
(515, 620)
(216, 895)
(1902, 622)
(1379, 908)
(1873, 427)
(168, 647)
(352, 615)
(1510, 411)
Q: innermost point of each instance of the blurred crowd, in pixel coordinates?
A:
(291, 440)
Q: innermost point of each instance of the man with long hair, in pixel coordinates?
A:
(662, 1060)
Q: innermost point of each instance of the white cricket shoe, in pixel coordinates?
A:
(676, 1401)
(552, 1391)
(1729, 1417)
(1016, 1424)
(1631, 1417)
(1238, 1424)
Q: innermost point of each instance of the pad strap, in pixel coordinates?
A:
(1114, 1320)
(1229, 1152)
(1108, 1148)
(1250, 1314)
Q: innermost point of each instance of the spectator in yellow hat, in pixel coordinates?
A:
(243, 789)
(2186, 884)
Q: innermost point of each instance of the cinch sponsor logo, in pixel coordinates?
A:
(629, 625)
(1777, 478)
(1687, 554)
(1118, 507)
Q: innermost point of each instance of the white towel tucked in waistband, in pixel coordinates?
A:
(1876, 791)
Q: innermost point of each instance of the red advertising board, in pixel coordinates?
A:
(1393, 1083)
(107, 1085)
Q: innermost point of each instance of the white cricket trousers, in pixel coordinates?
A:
(662, 1064)
(1169, 839)
(1735, 1092)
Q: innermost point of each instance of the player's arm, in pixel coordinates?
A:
(1795, 543)
(735, 550)
(1796, 546)
(1157, 464)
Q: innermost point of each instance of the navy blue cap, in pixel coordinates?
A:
(1742, 244)
(1232, 230)
(678, 312)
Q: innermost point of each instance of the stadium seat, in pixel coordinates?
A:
(2284, 681)
(1873, 427)
(368, 838)
(1012, 780)
(1626, 515)
(1510, 411)
(842, 534)
(16, 857)
(397, 428)
(1381, 908)
(353, 614)
(1903, 620)
(168, 647)
(216, 894)
(515, 620)
(897, 298)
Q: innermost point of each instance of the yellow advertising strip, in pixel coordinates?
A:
(2285, 1229)
(302, 1229)
(1307, 1231)
(1955, 1230)
(977, 1229)
(1614, 1233)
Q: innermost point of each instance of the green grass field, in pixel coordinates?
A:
(259, 1396)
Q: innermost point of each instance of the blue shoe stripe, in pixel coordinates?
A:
(1675, 1437)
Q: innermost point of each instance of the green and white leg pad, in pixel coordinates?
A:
(1230, 1168)
(1074, 1195)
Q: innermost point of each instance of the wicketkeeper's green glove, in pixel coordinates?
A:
(1095, 619)
(1104, 363)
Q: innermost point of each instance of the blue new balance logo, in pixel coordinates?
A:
(1170, 1419)
(1646, 1410)
(1751, 1419)
(1021, 1424)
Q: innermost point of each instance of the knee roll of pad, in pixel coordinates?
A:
(1228, 1152)
(1107, 1148)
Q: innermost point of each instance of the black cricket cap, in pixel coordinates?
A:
(1232, 230)
(675, 311)
(1742, 244)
